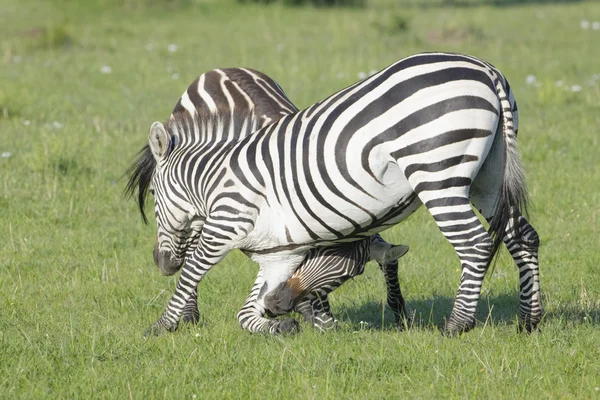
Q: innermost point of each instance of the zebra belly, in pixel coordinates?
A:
(305, 224)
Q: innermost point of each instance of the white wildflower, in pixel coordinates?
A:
(169, 69)
(197, 335)
(149, 47)
(175, 76)
(596, 25)
(584, 24)
(280, 47)
(576, 88)
(362, 75)
(17, 59)
(559, 83)
(6, 154)
(172, 48)
(106, 69)
(57, 125)
(27, 122)
(340, 75)
(531, 79)
(372, 72)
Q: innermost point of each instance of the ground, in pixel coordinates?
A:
(80, 84)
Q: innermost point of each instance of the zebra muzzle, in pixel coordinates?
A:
(166, 263)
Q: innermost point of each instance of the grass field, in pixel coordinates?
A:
(80, 85)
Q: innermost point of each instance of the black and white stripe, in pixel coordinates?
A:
(436, 129)
(308, 289)
(246, 92)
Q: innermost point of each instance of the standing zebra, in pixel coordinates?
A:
(246, 92)
(436, 129)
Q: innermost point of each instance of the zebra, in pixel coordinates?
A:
(437, 129)
(307, 290)
(245, 92)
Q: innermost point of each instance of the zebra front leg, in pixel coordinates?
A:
(316, 311)
(523, 243)
(274, 271)
(395, 300)
(190, 311)
(193, 271)
(387, 256)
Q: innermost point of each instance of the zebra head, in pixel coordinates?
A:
(177, 219)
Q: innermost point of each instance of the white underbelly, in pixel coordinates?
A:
(302, 218)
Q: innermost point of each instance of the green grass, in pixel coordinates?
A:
(77, 283)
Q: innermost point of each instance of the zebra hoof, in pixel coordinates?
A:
(287, 326)
(528, 324)
(280, 300)
(456, 328)
(403, 323)
(158, 329)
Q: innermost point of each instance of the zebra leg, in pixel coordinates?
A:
(387, 256)
(208, 253)
(523, 243)
(190, 311)
(473, 245)
(272, 274)
(394, 296)
(316, 310)
(520, 238)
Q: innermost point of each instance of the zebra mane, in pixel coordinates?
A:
(219, 128)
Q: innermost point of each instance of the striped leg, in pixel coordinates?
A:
(207, 253)
(522, 242)
(394, 296)
(190, 311)
(317, 312)
(523, 247)
(473, 245)
(272, 273)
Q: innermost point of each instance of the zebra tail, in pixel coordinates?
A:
(513, 192)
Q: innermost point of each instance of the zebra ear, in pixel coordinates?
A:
(395, 252)
(385, 253)
(159, 141)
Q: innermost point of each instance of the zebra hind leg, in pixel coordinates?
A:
(523, 243)
(472, 243)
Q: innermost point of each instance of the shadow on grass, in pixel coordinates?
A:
(494, 3)
(432, 313)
